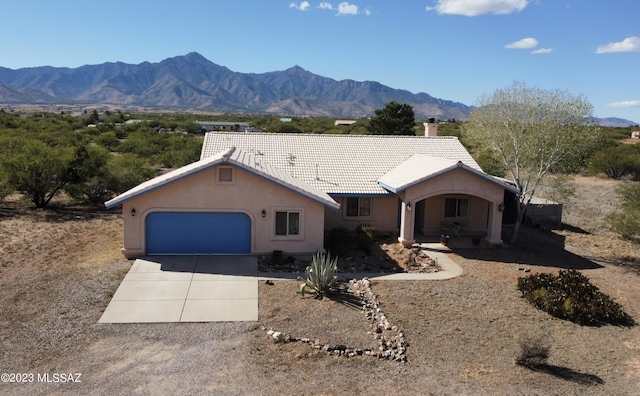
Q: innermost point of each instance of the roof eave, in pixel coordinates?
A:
(459, 164)
(129, 195)
(210, 162)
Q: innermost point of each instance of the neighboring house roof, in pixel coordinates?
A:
(341, 165)
(235, 157)
(222, 123)
(420, 168)
(344, 122)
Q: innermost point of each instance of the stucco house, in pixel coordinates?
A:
(255, 193)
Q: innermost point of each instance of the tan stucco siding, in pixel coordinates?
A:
(384, 215)
(248, 193)
(457, 183)
(434, 214)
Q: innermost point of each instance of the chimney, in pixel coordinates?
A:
(430, 128)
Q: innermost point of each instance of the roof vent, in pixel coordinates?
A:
(225, 156)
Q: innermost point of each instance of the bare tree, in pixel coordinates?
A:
(532, 131)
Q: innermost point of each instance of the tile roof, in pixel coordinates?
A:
(420, 168)
(338, 164)
(414, 170)
(231, 156)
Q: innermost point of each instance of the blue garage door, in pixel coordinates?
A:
(198, 232)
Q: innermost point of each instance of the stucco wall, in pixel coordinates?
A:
(458, 182)
(434, 214)
(384, 215)
(248, 194)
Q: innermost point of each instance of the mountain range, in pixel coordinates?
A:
(191, 82)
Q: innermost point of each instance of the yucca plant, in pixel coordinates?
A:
(320, 275)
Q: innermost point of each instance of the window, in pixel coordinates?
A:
(358, 207)
(287, 223)
(225, 174)
(456, 207)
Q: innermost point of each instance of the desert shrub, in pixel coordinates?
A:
(534, 350)
(126, 171)
(108, 140)
(365, 234)
(615, 162)
(570, 296)
(627, 224)
(320, 275)
(626, 220)
(5, 188)
(338, 241)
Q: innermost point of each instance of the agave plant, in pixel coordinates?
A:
(320, 275)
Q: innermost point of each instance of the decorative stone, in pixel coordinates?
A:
(391, 340)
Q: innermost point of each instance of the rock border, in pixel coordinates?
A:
(392, 343)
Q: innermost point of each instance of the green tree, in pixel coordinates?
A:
(126, 171)
(394, 119)
(532, 131)
(91, 181)
(39, 171)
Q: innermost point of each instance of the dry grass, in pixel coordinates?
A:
(59, 268)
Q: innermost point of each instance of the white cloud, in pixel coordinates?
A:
(478, 7)
(345, 8)
(525, 43)
(625, 103)
(630, 44)
(303, 6)
(542, 51)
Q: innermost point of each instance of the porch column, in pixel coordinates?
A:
(494, 235)
(406, 225)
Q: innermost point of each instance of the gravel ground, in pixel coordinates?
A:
(59, 269)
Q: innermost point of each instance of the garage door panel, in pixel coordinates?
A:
(198, 233)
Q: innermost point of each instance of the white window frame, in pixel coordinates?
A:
(361, 217)
(288, 211)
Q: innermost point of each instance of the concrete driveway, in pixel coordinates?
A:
(187, 289)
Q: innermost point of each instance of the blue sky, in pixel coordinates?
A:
(451, 49)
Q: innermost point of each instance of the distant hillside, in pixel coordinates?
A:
(616, 122)
(193, 82)
(12, 94)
